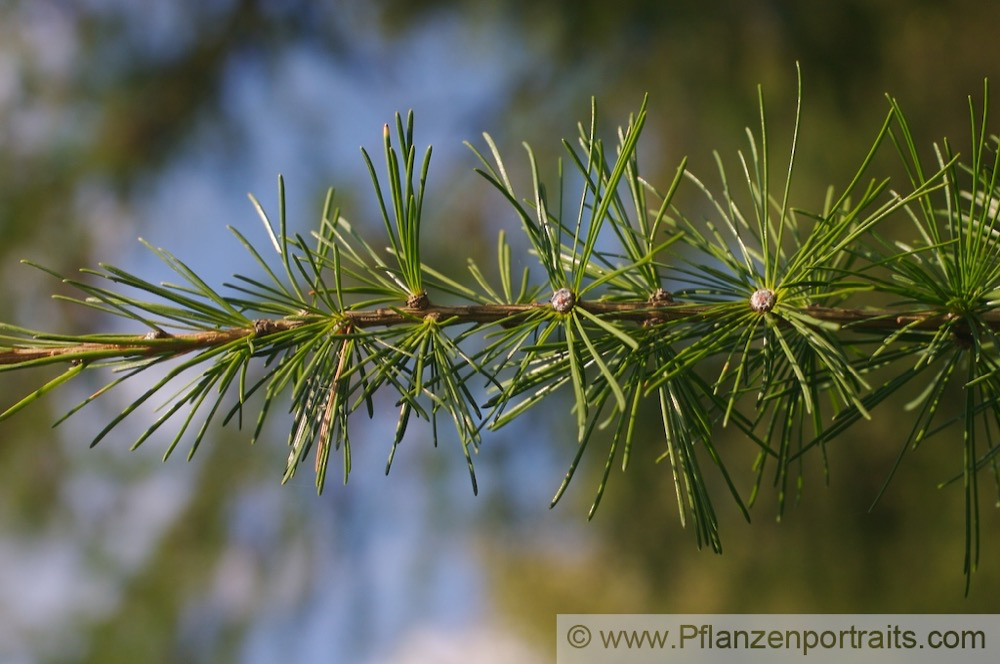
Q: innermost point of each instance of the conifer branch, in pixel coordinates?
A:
(169, 345)
(766, 329)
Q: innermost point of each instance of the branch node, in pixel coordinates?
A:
(563, 300)
(960, 331)
(263, 327)
(418, 301)
(661, 296)
(763, 300)
(658, 298)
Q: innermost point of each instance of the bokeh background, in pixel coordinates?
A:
(121, 119)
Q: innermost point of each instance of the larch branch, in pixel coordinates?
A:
(149, 345)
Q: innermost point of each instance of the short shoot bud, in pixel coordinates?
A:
(563, 300)
(762, 300)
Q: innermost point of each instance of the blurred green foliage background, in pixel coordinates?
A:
(122, 119)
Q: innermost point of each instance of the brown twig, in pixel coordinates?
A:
(656, 311)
